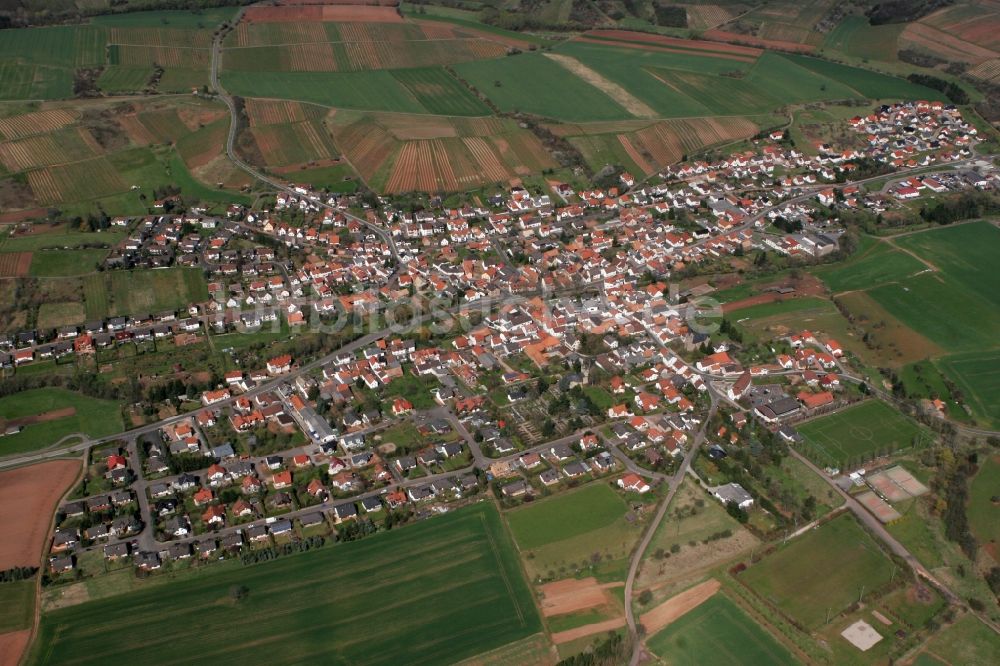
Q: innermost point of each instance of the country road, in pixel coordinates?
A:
(633, 570)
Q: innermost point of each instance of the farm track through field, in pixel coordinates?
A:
(616, 92)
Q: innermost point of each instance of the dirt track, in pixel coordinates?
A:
(677, 606)
(40, 418)
(28, 497)
(630, 102)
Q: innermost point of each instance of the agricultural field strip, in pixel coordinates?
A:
(469, 568)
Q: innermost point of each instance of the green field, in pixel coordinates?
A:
(116, 79)
(789, 81)
(857, 433)
(968, 641)
(39, 63)
(535, 84)
(855, 36)
(878, 264)
(867, 83)
(977, 375)
(93, 417)
(433, 593)
(956, 306)
(205, 19)
(566, 515)
(65, 263)
(984, 516)
(17, 605)
(59, 240)
(428, 90)
(718, 632)
(146, 291)
(439, 92)
(847, 557)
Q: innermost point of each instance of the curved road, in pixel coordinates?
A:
(633, 570)
(231, 141)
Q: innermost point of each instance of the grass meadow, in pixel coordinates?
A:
(566, 515)
(94, 417)
(877, 264)
(145, 291)
(967, 641)
(857, 433)
(957, 305)
(718, 632)
(977, 376)
(435, 592)
(984, 517)
(850, 562)
(17, 605)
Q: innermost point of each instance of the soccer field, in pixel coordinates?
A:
(858, 433)
(718, 632)
(432, 593)
(821, 573)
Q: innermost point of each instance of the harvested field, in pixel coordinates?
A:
(273, 112)
(988, 70)
(366, 145)
(574, 594)
(161, 37)
(941, 43)
(750, 40)
(705, 17)
(296, 143)
(135, 130)
(660, 144)
(36, 122)
(164, 56)
(629, 102)
(59, 147)
(79, 181)
(28, 497)
(978, 23)
(710, 49)
(677, 606)
(587, 630)
(332, 13)
(12, 646)
(14, 264)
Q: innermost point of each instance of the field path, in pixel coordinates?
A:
(630, 102)
(679, 605)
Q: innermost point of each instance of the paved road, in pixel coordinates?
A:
(633, 570)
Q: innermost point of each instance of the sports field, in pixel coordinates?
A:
(431, 593)
(858, 433)
(60, 413)
(850, 561)
(718, 632)
(566, 515)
